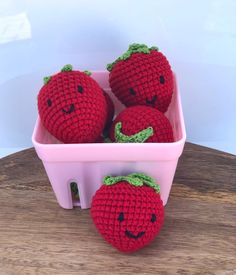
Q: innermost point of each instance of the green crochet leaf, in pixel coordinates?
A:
(46, 79)
(67, 68)
(109, 180)
(107, 140)
(154, 48)
(133, 48)
(87, 72)
(74, 189)
(135, 179)
(139, 137)
(147, 180)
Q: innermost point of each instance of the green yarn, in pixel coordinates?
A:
(139, 137)
(154, 48)
(147, 180)
(67, 68)
(74, 189)
(46, 79)
(109, 180)
(107, 140)
(87, 72)
(133, 48)
(136, 179)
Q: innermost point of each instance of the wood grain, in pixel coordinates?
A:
(198, 237)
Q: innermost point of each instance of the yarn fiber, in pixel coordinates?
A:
(128, 217)
(72, 107)
(143, 78)
(137, 118)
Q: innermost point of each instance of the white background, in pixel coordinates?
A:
(199, 38)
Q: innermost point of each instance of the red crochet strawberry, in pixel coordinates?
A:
(128, 211)
(141, 124)
(142, 76)
(72, 106)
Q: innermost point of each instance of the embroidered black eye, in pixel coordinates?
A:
(121, 217)
(80, 89)
(162, 79)
(154, 218)
(132, 91)
(49, 102)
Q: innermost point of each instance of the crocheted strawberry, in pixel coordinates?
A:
(141, 124)
(142, 76)
(128, 211)
(72, 106)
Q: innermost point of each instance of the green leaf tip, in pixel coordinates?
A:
(67, 68)
(133, 48)
(109, 67)
(135, 179)
(154, 48)
(46, 79)
(74, 189)
(139, 137)
(107, 140)
(87, 72)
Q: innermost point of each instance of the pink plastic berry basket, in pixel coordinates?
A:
(87, 164)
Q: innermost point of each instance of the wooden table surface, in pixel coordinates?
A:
(198, 237)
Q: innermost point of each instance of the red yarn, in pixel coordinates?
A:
(143, 79)
(72, 107)
(127, 216)
(137, 118)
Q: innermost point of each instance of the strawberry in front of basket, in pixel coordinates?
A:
(128, 211)
(141, 124)
(72, 106)
(142, 76)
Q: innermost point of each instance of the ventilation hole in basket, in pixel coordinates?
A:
(75, 193)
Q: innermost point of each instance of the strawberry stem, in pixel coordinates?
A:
(135, 179)
(74, 189)
(139, 137)
(87, 72)
(133, 48)
(46, 79)
(67, 68)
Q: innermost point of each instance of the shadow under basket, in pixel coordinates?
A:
(83, 166)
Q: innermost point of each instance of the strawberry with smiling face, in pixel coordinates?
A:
(128, 211)
(72, 106)
(141, 124)
(142, 76)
